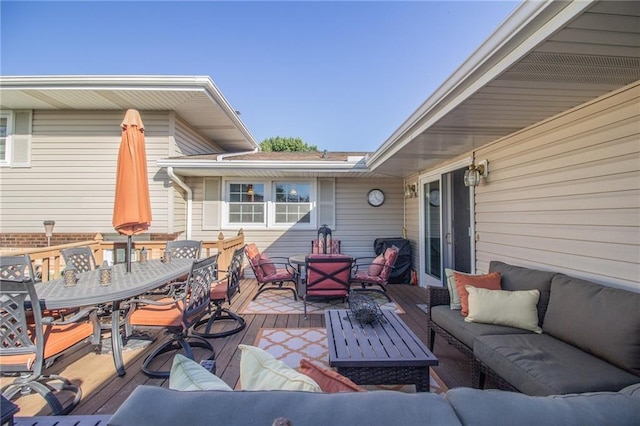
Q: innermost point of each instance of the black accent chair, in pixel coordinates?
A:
(223, 291)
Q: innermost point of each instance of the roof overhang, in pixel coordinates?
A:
(545, 58)
(223, 165)
(194, 98)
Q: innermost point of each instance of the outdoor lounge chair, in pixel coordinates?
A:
(327, 277)
(267, 273)
(178, 314)
(223, 291)
(29, 340)
(376, 273)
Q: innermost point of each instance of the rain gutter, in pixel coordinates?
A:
(189, 192)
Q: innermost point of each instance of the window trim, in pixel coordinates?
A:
(6, 161)
(269, 191)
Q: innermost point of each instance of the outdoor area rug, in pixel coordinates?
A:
(280, 302)
(289, 345)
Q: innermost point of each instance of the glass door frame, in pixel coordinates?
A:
(445, 215)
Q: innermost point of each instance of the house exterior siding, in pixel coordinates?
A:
(357, 223)
(72, 175)
(564, 194)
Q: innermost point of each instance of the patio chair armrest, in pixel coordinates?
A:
(82, 313)
(437, 296)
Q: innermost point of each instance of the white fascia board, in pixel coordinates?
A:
(303, 166)
(439, 106)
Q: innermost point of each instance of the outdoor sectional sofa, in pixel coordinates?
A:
(154, 406)
(590, 340)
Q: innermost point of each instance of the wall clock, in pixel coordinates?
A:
(375, 197)
(434, 198)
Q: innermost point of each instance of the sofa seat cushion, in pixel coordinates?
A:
(495, 408)
(516, 278)
(601, 320)
(154, 406)
(466, 332)
(538, 364)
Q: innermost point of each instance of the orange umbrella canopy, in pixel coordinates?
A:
(132, 207)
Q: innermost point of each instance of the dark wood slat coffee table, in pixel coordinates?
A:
(386, 352)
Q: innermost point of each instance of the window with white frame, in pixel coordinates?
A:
(246, 203)
(292, 203)
(5, 132)
(266, 204)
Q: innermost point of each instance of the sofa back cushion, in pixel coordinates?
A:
(600, 320)
(518, 278)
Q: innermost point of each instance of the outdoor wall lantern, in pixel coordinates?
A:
(48, 230)
(324, 239)
(475, 172)
(250, 190)
(411, 190)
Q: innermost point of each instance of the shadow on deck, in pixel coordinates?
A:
(104, 391)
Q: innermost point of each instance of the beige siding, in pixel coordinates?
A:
(564, 195)
(189, 142)
(357, 223)
(78, 194)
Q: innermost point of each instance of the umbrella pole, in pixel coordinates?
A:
(128, 254)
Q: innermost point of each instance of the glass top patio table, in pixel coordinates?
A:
(88, 291)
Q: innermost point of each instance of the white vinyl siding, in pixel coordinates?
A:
(187, 141)
(72, 175)
(357, 224)
(564, 195)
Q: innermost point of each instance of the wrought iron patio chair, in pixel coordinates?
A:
(30, 342)
(317, 247)
(177, 314)
(327, 277)
(374, 275)
(222, 291)
(270, 274)
(184, 249)
(80, 258)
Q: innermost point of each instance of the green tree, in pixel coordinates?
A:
(280, 144)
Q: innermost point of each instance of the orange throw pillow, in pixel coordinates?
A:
(489, 281)
(329, 380)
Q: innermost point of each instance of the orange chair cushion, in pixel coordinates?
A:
(160, 316)
(57, 339)
(376, 266)
(219, 291)
(268, 268)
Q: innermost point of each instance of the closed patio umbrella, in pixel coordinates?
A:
(132, 206)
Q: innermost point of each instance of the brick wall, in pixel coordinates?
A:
(15, 241)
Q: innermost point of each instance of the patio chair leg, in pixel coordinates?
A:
(222, 314)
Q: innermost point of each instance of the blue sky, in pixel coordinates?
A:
(339, 75)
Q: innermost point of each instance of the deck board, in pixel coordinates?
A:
(105, 391)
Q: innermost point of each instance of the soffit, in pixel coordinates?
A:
(194, 102)
(593, 54)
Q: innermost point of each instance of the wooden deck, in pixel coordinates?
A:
(104, 391)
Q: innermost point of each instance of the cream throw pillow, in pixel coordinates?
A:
(259, 370)
(511, 308)
(188, 375)
(454, 296)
